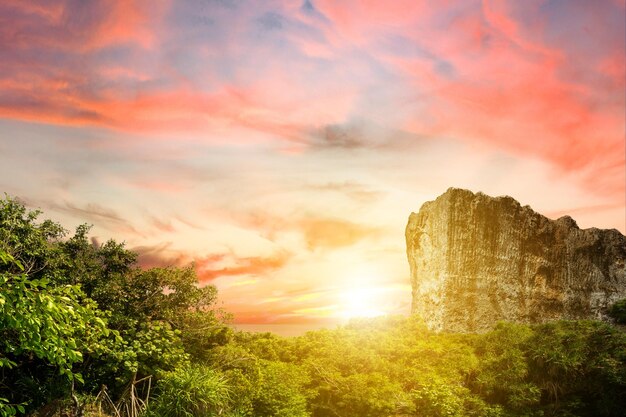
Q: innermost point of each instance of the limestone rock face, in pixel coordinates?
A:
(476, 260)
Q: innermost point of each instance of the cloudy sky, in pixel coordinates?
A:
(281, 145)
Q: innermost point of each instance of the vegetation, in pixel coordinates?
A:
(85, 331)
(618, 311)
(191, 391)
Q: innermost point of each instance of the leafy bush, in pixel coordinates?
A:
(41, 321)
(192, 391)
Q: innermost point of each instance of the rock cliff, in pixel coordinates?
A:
(476, 260)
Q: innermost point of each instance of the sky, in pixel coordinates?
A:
(281, 145)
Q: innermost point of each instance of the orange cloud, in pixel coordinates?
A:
(599, 208)
(130, 21)
(208, 269)
(355, 191)
(614, 68)
(333, 233)
(159, 186)
(318, 232)
(84, 26)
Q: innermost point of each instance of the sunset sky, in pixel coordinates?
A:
(281, 145)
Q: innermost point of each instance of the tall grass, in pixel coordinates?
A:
(194, 391)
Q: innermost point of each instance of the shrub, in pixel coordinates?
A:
(618, 311)
(193, 391)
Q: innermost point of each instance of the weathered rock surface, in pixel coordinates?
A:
(476, 260)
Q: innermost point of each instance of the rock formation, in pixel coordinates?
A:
(476, 260)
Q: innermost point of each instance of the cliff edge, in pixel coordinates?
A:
(476, 259)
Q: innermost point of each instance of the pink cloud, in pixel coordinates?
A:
(82, 26)
(357, 22)
(614, 68)
(498, 15)
(211, 266)
(130, 21)
(505, 74)
(513, 91)
(169, 187)
(209, 269)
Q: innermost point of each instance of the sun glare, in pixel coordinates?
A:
(361, 297)
(360, 302)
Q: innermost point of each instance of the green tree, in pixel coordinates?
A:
(580, 366)
(31, 243)
(281, 391)
(503, 374)
(156, 317)
(242, 369)
(45, 324)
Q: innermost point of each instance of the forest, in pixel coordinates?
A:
(85, 331)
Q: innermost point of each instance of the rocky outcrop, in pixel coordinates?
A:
(476, 260)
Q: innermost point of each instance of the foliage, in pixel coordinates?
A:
(503, 374)
(76, 309)
(396, 367)
(44, 322)
(191, 391)
(243, 372)
(281, 391)
(580, 367)
(618, 311)
(30, 244)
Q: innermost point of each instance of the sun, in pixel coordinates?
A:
(360, 302)
(361, 293)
